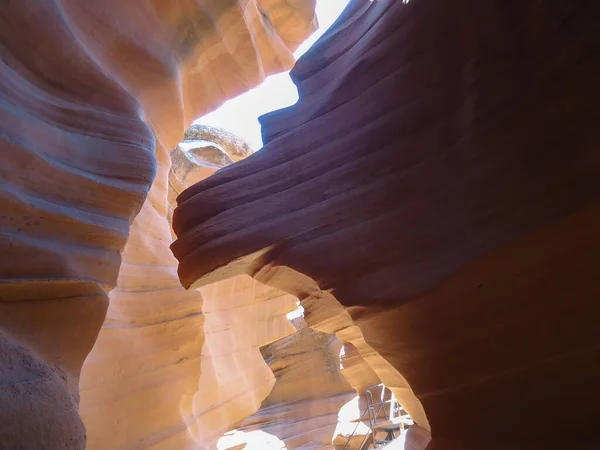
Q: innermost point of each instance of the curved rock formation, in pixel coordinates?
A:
(203, 150)
(235, 147)
(93, 96)
(439, 178)
(241, 316)
(309, 390)
(192, 366)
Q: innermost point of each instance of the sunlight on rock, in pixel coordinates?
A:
(350, 434)
(239, 115)
(349, 430)
(205, 153)
(252, 440)
(240, 316)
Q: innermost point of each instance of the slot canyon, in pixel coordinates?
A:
(431, 204)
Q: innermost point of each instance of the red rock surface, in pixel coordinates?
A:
(440, 178)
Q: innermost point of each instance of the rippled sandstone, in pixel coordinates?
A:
(93, 97)
(439, 179)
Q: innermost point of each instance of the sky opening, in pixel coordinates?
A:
(240, 114)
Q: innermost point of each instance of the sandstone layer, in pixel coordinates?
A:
(192, 366)
(439, 179)
(302, 408)
(93, 97)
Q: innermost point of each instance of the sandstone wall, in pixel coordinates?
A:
(309, 391)
(93, 97)
(439, 179)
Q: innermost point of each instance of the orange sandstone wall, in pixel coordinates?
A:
(93, 97)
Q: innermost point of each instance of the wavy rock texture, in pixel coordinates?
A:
(302, 408)
(92, 98)
(439, 179)
(314, 400)
(241, 316)
(192, 366)
(203, 150)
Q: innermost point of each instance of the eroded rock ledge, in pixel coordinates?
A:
(439, 178)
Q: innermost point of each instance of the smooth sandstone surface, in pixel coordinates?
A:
(93, 97)
(241, 316)
(436, 185)
(309, 391)
(191, 367)
(439, 179)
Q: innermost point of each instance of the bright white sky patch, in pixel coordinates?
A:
(298, 312)
(240, 114)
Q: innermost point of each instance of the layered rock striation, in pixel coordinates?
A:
(309, 391)
(93, 97)
(437, 186)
